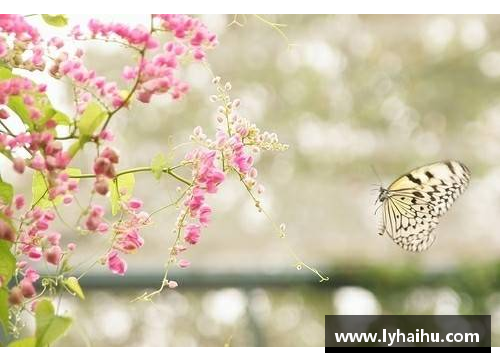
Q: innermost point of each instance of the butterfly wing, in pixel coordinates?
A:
(416, 200)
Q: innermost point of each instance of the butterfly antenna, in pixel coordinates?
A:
(376, 174)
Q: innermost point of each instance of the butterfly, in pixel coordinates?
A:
(413, 203)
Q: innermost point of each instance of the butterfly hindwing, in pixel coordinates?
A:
(415, 201)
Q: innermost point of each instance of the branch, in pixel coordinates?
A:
(168, 170)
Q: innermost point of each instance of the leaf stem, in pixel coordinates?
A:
(168, 170)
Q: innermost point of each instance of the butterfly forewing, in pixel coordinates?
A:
(415, 202)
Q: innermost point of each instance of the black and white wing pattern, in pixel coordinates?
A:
(413, 204)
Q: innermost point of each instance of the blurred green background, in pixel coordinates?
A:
(353, 94)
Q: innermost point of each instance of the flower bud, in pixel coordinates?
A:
(53, 255)
(101, 186)
(19, 164)
(35, 253)
(101, 165)
(183, 263)
(16, 296)
(172, 284)
(6, 232)
(4, 114)
(110, 154)
(135, 204)
(27, 288)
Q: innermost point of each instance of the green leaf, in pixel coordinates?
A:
(42, 103)
(4, 310)
(78, 145)
(7, 268)
(158, 163)
(17, 105)
(6, 192)
(91, 118)
(39, 189)
(49, 327)
(122, 188)
(73, 285)
(57, 20)
(61, 119)
(25, 342)
(5, 72)
(7, 261)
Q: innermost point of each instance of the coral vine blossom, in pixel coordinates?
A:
(38, 237)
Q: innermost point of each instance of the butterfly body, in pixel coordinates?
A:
(413, 203)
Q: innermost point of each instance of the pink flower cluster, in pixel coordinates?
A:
(104, 169)
(36, 242)
(15, 27)
(95, 221)
(25, 289)
(157, 76)
(49, 153)
(127, 238)
(48, 157)
(207, 178)
(241, 161)
(206, 174)
(30, 276)
(154, 75)
(192, 31)
(138, 36)
(36, 235)
(17, 86)
(86, 80)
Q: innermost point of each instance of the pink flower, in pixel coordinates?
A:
(196, 200)
(101, 185)
(183, 263)
(31, 274)
(56, 42)
(4, 114)
(215, 178)
(116, 264)
(35, 253)
(68, 199)
(38, 163)
(106, 135)
(103, 166)
(103, 227)
(172, 284)
(27, 288)
(135, 204)
(54, 238)
(94, 221)
(129, 73)
(243, 162)
(131, 240)
(19, 27)
(192, 233)
(205, 212)
(53, 255)
(71, 246)
(19, 201)
(208, 174)
(6, 232)
(110, 154)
